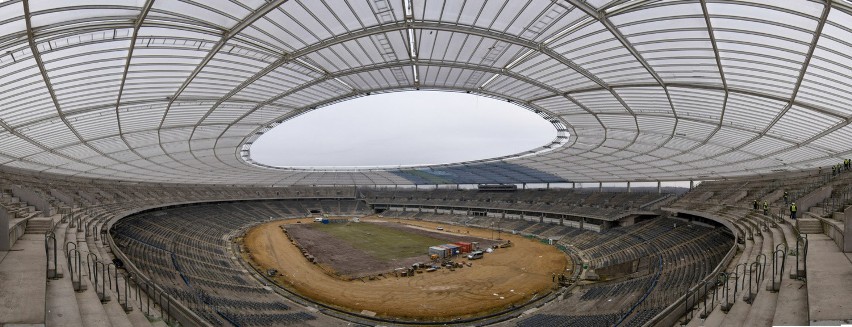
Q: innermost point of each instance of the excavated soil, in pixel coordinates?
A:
(345, 261)
(503, 279)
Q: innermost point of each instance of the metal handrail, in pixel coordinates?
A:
(90, 264)
(801, 250)
(75, 254)
(727, 292)
(98, 279)
(737, 275)
(776, 266)
(754, 266)
(762, 271)
(47, 238)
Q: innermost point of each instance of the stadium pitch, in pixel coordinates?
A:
(504, 279)
(367, 249)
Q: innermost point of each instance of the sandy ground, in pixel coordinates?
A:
(338, 254)
(502, 279)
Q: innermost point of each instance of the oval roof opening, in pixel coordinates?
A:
(412, 128)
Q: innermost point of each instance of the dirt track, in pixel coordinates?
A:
(506, 277)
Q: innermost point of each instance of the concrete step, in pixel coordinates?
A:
(714, 319)
(115, 308)
(138, 319)
(91, 309)
(22, 282)
(792, 305)
(763, 308)
(809, 226)
(829, 274)
(39, 225)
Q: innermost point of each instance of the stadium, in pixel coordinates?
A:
(698, 174)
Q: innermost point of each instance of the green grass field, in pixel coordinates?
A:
(381, 242)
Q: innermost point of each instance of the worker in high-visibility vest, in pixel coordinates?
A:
(765, 208)
(793, 210)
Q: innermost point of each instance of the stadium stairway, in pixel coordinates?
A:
(65, 307)
(122, 297)
(62, 308)
(762, 311)
(792, 308)
(91, 308)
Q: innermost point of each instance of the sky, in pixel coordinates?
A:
(403, 128)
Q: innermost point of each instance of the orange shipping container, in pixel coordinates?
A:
(465, 247)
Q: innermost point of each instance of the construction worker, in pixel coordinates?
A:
(793, 210)
(786, 197)
(765, 208)
(754, 204)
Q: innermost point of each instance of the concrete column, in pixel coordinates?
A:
(600, 187)
(659, 187)
(524, 185)
(628, 187)
(4, 230)
(582, 220)
(562, 220)
(573, 185)
(691, 184)
(548, 186)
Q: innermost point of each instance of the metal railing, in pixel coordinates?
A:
(801, 255)
(778, 267)
(50, 239)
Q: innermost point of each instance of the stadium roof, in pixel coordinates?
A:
(176, 91)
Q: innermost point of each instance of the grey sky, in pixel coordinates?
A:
(403, 128)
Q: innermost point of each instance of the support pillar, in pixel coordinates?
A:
(548, 186)
(691, 184)
(524, 185)
(600, 186)
(573, 185)
(659, 187)
(562, 220)
(628, 187)
(582, 220)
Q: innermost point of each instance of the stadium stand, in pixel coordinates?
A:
(181, 251)
(116, 114)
